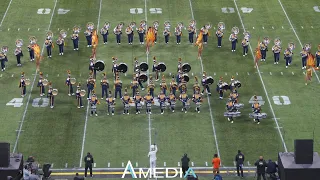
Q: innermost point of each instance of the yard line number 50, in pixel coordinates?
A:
(231, 10)
(37, 102)
(277, 100)
(140, 11)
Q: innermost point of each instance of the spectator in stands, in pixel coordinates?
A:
(239, 161)
(272, 169)
(261, 168)
(78, 177)
(216, 164)
(185, 163)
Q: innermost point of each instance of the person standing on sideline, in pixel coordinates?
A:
(185, 163)
(216, 164)
(88, 164)
(239, 161)
(261, 168)
(153, 157)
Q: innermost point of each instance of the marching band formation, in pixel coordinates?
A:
(168, 96)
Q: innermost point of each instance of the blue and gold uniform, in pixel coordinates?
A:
(304, 56)
(245, 45)
(79, 94)
(288, 56)
(276, 49)
(134, 86)
(220, 88)
(155, 68)
(75, 40)
(196, 85)
(183, 85)
(151, 87)
(111, 103)
(141, 33)
(191, 31)
(173, 86)
(234, 96)
(90, 85)
(172, 101)
(163, 85)
(263, 50)
(234, 40)
(50, 95)
(205, 84)
(219, 34)
(185, 101)
(230, 108)
(60, 43)
(118, 87)
(91, 67)
(118, 31)
(149, 101)
(318, 57)
(137, 101)
(126, 100)
(256, 108)
(178, 34)
(205, 33)
(18, 53)
(105, 32)
(130, 34)
(104, 86)
(197, 99)
(41, 85)
(93, 104)
(69, 83)
(31, 52)
(114, 67)
(88, 35)
(162, 100)
(49, 45)
(22, 85)
(166, 34)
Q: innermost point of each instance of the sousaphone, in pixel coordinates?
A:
(49, 35)
(76, 29)
(277, 41)
(123, 68)
(106, 25)
(235, 30)
(4, 49)
(143, 66)
(221, 26)
(19, 42)
(161, 67)
(33, 40)
(63, 33)
(99, 65)
(186, 68)
(90, 26)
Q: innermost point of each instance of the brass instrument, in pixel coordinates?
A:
(106, 25)
(266, 41)
(291, 46)
(19, 42)
(247, 35)
(177, 31)
(307, 47)
(143, 23)
(54, 92)
(277, 41)
(235, 30)
(4, 49)
(76, 29)
(27, 82)
(180, 25)
(221, 26)
(73, 81)
(17, 51)
(63, 33)
(166, 32)
(33, 40)
(90, 26)
(167, 24)
(82, 92)
(117, 30)
(208, 26)
(156, 24)
(49, 35)
(132, 25)
(192, 23)
(45, 82)
(129, 30)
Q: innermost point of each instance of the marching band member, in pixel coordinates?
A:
(105, 32)
(60, 43)
(49, 46)
(129, 32)
(276, 49)
(155, 28)
(88, 35)
(287, 56)
(234, 96)
(118, 87)
(219, 34)
(232, 85)
(166, 34)
(196, 98)
(149, 101)
(111, 103)
(245, 44)
(139, 81)
(141, 32)
(151, 87)
(179, 65)
(263, 50)
(90, 85)
(91, 67)
(178, 34)
(126, 100)
(234, 40)
(173, 86)
(50, 96)
(134, 85)
(117, 31)
(40, 84)
(230, 108)
(184, 99)
(163, 85)
(22, 85)
(219, 88)
(183, 85)
(79, 97)
(137, 101)
(256, 108)
(18, 53)
(318, 57)
(179, 77)
(31, 52)
(114, 67)
(308, 75)
(136, 65)
(93, 103)
(205, 84)
(191, 31)
(3, 59)
(75, 40)
(162, 100)
(155, 68)
(205, 34)
(196, 86)
(104, 86)
(68, 83)
(172, 101)
(304, 56)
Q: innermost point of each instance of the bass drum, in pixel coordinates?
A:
(99, 65)
(162, 67)
(185, 77)
(143, 77)
(210, 80)
(144, 66)
(122, 68)
(186, 68)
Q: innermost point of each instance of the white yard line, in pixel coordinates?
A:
(294, 31)
(208, 97)
(32, 85)
(263, 85)
(5, 14)
(88, 104)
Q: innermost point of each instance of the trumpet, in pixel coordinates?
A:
(55, 92)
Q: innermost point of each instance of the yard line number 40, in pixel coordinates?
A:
(277, 100)
(231, 10)
(48, 11)
(37, 102)
(151, 10)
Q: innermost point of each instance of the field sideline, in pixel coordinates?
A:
(63, 135)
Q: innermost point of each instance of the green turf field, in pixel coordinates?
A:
(63, 135)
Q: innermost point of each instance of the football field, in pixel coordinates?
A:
(63, 135)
